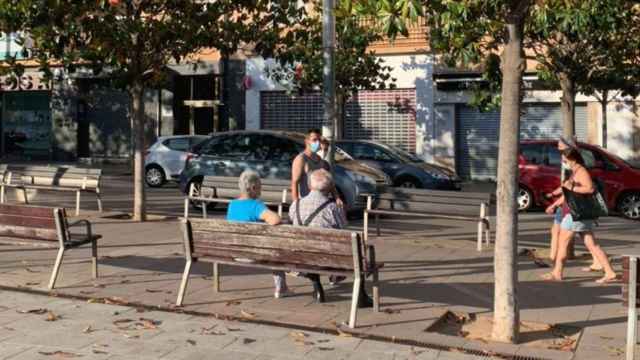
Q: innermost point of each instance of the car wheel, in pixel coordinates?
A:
(408, 183)
(629, 205)
(525, 199)
(196, 192)
(154, 176)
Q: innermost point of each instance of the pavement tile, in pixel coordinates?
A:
(10, 351)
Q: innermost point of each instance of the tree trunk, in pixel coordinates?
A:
(568, 105)
(603, 103)
(506, 317)
(139, 203)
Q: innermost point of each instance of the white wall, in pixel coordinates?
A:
(410, 71)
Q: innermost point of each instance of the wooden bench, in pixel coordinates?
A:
(52, 178)
(432, 203)
(46, 227)
(283, 247)
(223, 189)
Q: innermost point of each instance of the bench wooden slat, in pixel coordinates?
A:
(427, 207)
(269, 242)
(33, 211)
(275, 256)
(285, 231)
(28, 232)
(62, 169)
(62, 182)
(277, 266)
(432, 199)
(21, 220)
(28, 242)
(441, 193)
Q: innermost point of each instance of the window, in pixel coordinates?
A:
(533, 153)
(177, 144)
(280, 149)
(10, 47)
(553, 156)
(589, 158)
(372, 153)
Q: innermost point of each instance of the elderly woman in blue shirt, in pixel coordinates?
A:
(249, 208)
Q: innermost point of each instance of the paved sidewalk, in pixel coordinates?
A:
(41, 327)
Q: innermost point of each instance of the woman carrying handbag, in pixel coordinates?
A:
(580, 209)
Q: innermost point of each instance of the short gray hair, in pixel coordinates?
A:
(320, 180)
(248, 179)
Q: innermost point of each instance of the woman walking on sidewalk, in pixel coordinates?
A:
(580, 182)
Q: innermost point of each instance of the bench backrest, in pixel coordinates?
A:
(433, 201)
(284, 245)
(32, 222)
(225, 187)
(87, 178)
(3, 172)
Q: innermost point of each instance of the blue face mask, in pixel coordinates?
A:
(315, 146)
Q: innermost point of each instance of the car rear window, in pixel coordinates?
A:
(533, 153)
(178, 144)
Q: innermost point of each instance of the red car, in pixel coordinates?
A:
(539, 164)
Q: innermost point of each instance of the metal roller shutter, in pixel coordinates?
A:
(477, 135)
(381, 115)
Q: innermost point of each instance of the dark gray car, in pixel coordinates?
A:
(271, 154)
(404, 168)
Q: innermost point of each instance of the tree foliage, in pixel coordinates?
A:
(132, 41)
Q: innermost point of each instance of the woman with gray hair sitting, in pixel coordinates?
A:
(249, 208)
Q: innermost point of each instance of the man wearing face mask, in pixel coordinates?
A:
(307, 162)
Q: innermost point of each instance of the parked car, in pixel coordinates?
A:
(165, 159)
(540, 162)
(404, 169)
(271, 153)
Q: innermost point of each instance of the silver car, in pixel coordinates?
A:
(164, 160)
(271, 153)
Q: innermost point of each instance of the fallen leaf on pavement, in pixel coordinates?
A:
(100, 352)
(191, 342)
(322, 348)
(101, 286)
(152, 291)
(246, 341)
(85, 292)
(120, 323)
(115, 300)
(32, 283)
(342, 333)
(247, 315)
(51, 316)
(94, 301)
(38, 311)
(129, 336)
(31, 270)
(298, 336)
(140, 310)
(125, 281)
(233, 302)
(62, 354)
(150, 323)
(88, 330)
(391, 311)
(210, 331)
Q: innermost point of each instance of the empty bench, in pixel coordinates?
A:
(46, 227)
(454, 205)
(52, 178)
(223, 189)
(283, 247)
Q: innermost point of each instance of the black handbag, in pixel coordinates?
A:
(585, 206)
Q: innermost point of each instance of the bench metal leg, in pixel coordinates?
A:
(480, 232)
(487, 233)
(186, 208)
(183, 283)
(1, 194)
(376, 291)
(632, 316)
(24, 194)
(94, 259)
(378, 224)
(365, 229)
(99, 198)
(77, 203)
(56, 269)
(216, 276)
(204, 210)
(354, 301)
